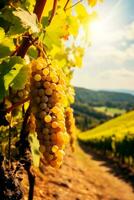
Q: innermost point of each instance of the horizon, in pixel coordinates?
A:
(125, 91)
(103, 88)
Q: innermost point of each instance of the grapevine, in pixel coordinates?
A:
(35, 73)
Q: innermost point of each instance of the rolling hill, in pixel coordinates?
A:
(118, 126)
(104, 98)
(92, 108)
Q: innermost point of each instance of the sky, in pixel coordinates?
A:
(109, 62)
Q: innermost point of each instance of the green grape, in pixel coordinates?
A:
(47, 95)
(43, 106)
(37, 77)
(18, 96)
(48, 118)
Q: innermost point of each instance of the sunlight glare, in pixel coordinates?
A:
(98, 30)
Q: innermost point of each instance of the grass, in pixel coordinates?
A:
(118, 126)
(109, 111)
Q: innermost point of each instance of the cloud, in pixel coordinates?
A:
(109, 79)
(109, 63)
(113, 53)
(117, 46)
(120, 73)
(127, 33)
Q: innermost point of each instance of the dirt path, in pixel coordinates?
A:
(81, 178)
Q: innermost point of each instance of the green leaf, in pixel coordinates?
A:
(82, 13)
(32, 52)
(45, 21)
(34, 144)
(29, 4)
(28, 20)
(52, 38)
(9, 69)
(20, 80)
(6, 47)
(2, 34)
(11, 23)
(73, 26)
(55, 31)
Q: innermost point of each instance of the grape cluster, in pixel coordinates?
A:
(48, 102)
(19, 95)
(70, 125)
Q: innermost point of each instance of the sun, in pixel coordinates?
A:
(102, 28)
(98, 30)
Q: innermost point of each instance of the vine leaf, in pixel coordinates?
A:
(73, 27)
(32, 52)
(2, 34)
(93, 3)
(34, 145)
(55, 31)
(11, 23)
(20, 80)
(9, 70)
(29, 4)
(82, 13)
(6, 47)
(28, 20)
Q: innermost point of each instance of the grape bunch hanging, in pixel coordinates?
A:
(48, 103)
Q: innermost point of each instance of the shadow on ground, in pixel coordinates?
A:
(113, 166)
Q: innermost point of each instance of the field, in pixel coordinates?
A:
(118, 126)
(109, 111)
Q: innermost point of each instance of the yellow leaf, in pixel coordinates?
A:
(92, 3)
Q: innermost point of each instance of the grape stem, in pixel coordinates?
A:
(17, 104)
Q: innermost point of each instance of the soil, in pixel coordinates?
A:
(81, 177)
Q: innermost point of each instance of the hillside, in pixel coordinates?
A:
(117, 126)
(92, 108)
(104, 98)
(87, 117)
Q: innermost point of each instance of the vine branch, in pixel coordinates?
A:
(53, 11)
(39, 7)
(17, 104)
(28, 40)
(24, 130)
(66, 5)
(73, 5)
